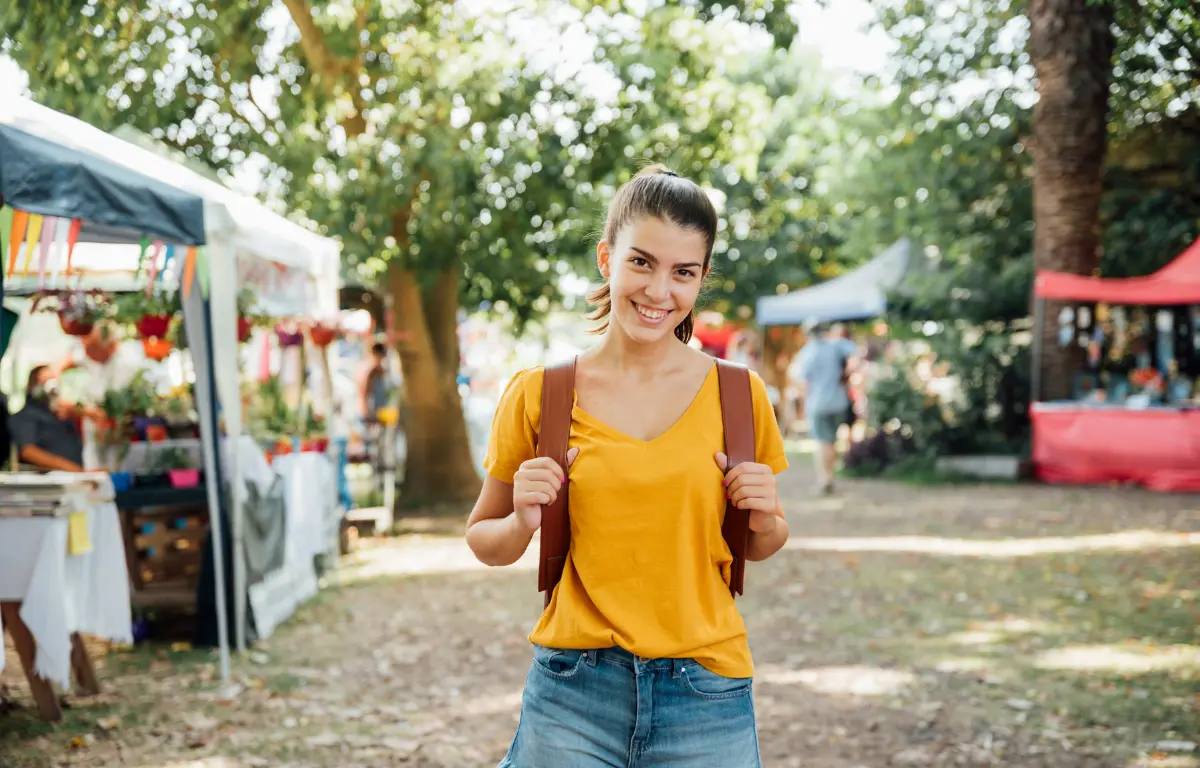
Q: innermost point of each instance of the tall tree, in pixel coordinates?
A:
(453, 163)
(1071, 46)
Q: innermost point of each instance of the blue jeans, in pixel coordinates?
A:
(586, 709)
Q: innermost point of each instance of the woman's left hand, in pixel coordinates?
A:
(751, 486)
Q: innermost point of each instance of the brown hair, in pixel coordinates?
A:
(662, 194)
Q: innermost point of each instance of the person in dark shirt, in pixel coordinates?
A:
(44, 431)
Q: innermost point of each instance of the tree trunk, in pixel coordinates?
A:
(1071, 45)
(438, 467)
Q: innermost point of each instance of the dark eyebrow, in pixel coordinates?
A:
(652, 258)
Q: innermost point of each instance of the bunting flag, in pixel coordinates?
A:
(6, 223)
(202, 270)
(264, 358)
(166, 262)
(144, 244)
(153, 269)
(33, 234)
(49, 229)
(189, 271)
(72, 238)
(20, 218)
(60, 248)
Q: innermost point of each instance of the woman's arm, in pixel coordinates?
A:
(765, 543)
(495, 534)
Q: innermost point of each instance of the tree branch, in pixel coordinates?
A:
(328, 68)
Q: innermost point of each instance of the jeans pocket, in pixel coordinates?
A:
(558, 663)
(706, 684)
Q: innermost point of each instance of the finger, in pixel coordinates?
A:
(572, 455)
(757, 503)
(747, 467)
(543, 464)
(722, 460)
(526, 476)
(540, 486)
(750, 492)
(533, 499)
(748, 481)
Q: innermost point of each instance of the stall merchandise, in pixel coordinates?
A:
(62, 572)
(1134, 415)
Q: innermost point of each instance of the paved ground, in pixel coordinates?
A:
(971, 625)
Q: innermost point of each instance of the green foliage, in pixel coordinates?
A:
(137, 398)
(130, 307)
(166, 459)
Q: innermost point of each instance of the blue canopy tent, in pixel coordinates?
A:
(859, 294)
(46, 169)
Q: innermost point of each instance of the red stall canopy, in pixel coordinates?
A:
(1176, 283)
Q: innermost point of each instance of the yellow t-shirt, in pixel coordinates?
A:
(648, 568)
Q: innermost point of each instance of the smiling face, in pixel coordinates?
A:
(655, 270)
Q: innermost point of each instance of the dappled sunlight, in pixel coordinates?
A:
(209, 762)
(999, 631)
(491, 704)
(1158, 760)
(965, 664)
(1125, 541)
(846, 681)
(1125, 658)
(419, 555)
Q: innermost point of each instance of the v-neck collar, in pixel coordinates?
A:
(584, 415)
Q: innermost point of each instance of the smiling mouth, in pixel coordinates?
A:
(651, 315)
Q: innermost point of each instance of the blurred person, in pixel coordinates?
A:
(822, 368)
(45, 430)
(641, 655)
(374, 383)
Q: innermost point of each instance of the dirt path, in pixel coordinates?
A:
(965, 626)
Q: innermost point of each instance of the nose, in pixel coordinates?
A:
(658, 289)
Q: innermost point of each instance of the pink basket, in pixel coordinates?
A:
(184, 478)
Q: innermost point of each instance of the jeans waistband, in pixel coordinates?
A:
(632, 661)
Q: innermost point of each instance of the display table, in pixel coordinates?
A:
(1158, 448)
(49, 596)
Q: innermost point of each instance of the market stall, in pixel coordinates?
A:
(59, 187)
(67, 184)
(1134, 411)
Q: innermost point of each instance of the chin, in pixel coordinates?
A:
(646, 333)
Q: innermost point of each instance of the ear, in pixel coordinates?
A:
(603, 253)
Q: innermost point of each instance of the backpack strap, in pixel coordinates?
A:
(737, 417)
(558, 398)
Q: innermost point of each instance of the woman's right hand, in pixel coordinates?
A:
(537, 483)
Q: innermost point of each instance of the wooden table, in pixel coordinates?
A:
(43, 692)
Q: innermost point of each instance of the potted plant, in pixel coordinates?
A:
(78, 311)
(178, 465)
(323, 334)
(289, 335)
(247, 299)
(151, 314)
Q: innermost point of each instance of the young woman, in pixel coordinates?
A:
(641, 657)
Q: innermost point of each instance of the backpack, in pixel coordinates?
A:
(558, 397)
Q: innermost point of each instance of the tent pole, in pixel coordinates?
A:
(1035, 375)
(211, 449)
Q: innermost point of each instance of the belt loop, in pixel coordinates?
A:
(591, 656)
(677, 666)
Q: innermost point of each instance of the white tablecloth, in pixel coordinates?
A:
(310, 483)
(61, 593)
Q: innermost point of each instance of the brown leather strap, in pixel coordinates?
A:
(737, 416)
(558, 398)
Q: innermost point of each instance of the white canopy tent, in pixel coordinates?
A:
(242, 235)
(859, 294)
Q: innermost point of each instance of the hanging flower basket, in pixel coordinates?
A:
(244, 326)
(323, 335)
(288, 338)
(153, 326)
(156, 349)
(75, 326)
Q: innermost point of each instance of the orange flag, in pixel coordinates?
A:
(72, 238)
(18, 236)
(189, 270)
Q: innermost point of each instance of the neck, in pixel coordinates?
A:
(624, 354)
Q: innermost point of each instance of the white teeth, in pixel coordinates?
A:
(651, 314)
